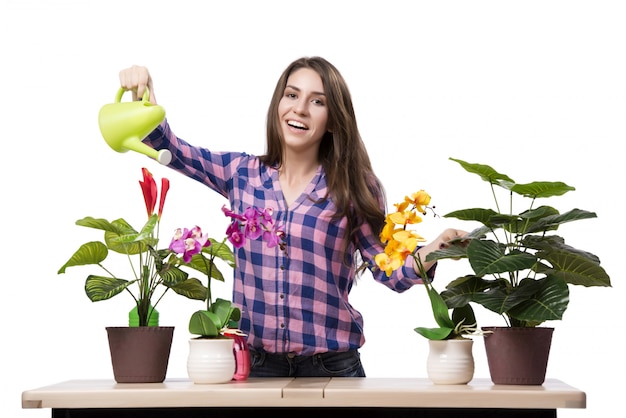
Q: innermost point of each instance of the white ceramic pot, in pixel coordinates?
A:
(450, 362)
(211, 360)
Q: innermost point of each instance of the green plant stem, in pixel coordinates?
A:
(210, 269)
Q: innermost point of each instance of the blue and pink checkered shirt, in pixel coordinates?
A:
(296, 304)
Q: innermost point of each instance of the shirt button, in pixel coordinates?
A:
(282, 267)
(282, 325)
(282, 296)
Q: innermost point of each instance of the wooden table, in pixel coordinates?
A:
(278, 397)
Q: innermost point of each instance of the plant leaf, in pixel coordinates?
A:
(190, 288)
(439, 307)
(488, 257)
(461, 291)
(541, 189)
(90, 253)
(549, 300)
(434, 333)
(485, 172)
(204, 323)
(100, 288)
(221, 251)
(576, 267)
(553, 221)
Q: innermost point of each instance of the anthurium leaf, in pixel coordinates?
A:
(461, 291)
(102, 288)
(552, 221)
(548, 301)
(434, 333)
(204, 323)
(485, 172)
(501, 298)
(538, 213)
(541, 189)
(90, 253)
(190, 288)
(473, 214)
(453, 251)
(576, 267)
(488, 257)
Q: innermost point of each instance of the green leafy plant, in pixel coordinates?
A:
(521, 269)
(401, 242)
(152, 269)
(199, 252)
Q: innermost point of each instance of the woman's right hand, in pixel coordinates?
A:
(136, 79)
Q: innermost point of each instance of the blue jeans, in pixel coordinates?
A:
(344, 364)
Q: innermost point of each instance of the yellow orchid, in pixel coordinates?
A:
(388, 230)
(399, 241)
(388, 263)
(419, 200)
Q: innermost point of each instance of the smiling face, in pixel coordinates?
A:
(302, 111)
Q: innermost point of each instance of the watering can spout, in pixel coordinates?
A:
(124, 125)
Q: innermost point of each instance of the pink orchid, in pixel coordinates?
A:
(189, 242)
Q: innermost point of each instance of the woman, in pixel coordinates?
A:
(317, 179)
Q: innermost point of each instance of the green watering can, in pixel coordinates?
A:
(125, 124)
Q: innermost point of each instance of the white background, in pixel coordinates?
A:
(533, 88)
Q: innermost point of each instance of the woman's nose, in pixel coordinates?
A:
(300, 106)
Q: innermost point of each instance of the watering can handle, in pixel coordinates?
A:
(122, 90)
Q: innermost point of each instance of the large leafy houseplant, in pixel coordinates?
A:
(401, 242)
(521, 268)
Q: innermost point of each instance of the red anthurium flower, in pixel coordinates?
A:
(165, 186)
(149, 189)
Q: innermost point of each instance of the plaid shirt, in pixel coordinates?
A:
(296, 303)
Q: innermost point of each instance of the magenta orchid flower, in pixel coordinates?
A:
(253, 224)
(189, 242)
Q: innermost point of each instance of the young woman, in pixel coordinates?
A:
(317, 179)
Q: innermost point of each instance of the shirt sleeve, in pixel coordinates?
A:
(213, 169)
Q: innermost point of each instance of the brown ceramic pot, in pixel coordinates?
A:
(140, 354)
(517, 356)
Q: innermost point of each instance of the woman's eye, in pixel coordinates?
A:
(318, 102)
(290, 95)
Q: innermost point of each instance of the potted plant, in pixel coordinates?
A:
(521, 270)
(450, 359)
(211, 357)
(153, 273)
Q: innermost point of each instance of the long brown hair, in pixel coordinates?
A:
(352, 183)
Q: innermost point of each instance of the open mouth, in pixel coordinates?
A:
(297, 125)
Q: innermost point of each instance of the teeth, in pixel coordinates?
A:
(296, 124)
